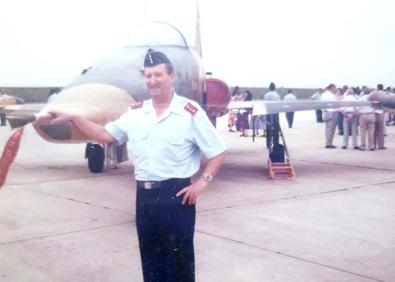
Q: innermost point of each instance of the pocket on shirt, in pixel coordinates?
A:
(176, 149)
(175, 139)
(138, 142)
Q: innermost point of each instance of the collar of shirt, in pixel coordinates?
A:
(174, 107)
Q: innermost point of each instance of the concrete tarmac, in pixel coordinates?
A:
(334, 222)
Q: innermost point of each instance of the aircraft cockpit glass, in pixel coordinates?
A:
(157, 34)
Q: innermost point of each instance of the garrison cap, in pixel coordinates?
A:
(153, 58)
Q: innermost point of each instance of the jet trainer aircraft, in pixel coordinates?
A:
(105, 90)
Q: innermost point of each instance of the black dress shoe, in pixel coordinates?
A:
(356, 148)
(330, 147)
(344, 147)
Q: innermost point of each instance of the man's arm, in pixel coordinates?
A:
(213, 165)
(93, 130)
(192, 192)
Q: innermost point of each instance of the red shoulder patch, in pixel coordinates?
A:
(191, 108)
(136, 105)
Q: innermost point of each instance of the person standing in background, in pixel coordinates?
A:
(339, 96)
(243, 117)
(329, 115)
(290, 97)
(366, 122)
(379, 124)
(272, 120)
(350, 120)
(317, 97)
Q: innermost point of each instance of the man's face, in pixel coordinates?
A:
(158, 81)
(333, 89)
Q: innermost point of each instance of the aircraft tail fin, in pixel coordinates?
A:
(198, 39)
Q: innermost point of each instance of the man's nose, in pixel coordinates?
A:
(152, 80)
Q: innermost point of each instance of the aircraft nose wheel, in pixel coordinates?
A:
(95, 155)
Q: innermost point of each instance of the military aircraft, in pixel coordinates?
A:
(105, 90)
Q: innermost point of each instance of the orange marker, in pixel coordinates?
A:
(9, 154)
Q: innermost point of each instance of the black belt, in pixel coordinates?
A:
(162, 184)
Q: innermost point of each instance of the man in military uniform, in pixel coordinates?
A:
(329, 116)
(167, 133)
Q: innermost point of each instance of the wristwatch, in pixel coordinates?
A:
(207, 176)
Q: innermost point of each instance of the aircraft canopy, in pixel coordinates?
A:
(158, 33)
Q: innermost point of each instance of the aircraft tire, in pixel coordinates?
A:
(95, 155)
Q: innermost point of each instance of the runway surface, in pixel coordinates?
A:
(334, 222)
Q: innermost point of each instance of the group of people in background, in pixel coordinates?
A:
(364, 121)
(241, 120)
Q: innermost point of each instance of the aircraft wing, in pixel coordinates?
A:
(25, 108)
(386, 101)
(272, 107)
(21, 114)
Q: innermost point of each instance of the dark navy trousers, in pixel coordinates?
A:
(165, 231)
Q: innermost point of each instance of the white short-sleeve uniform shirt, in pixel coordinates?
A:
(169, 146)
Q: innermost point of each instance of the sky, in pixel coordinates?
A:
(250, 43)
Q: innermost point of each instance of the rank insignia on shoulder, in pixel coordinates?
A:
(191, 108)
(136, 105)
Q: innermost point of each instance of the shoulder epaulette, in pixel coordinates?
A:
(136, 105)
(191, 108)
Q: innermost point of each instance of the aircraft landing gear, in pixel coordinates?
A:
(95, 155)
(2, 119)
